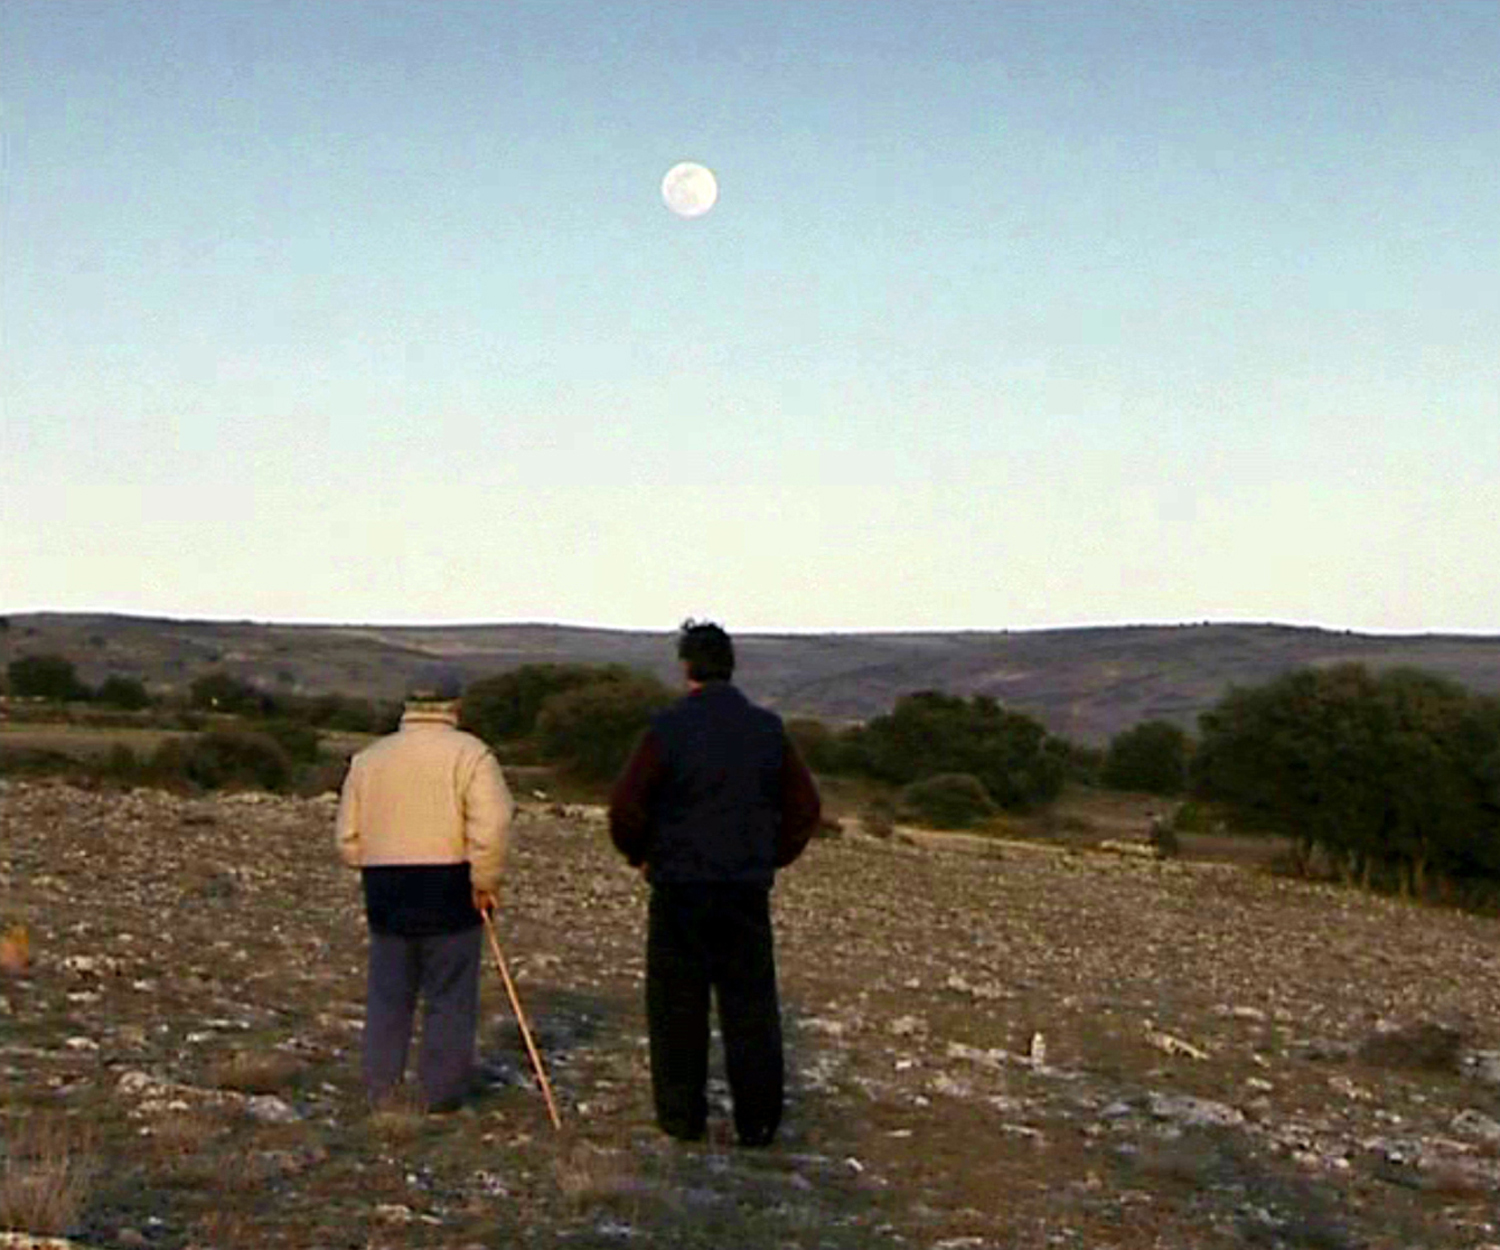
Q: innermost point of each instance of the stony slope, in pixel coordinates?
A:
(1023, 1049)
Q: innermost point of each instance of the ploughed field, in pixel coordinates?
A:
(1028, 1047)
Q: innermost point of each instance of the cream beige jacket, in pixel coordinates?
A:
(427, 794)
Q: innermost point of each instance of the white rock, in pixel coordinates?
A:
(1476, 1124)
(269, 1109)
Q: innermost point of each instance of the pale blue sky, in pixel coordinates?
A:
(1009, 315)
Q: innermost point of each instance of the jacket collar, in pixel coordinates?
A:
(419, 715)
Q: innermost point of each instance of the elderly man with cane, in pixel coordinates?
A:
(713, 801)
(425, 816)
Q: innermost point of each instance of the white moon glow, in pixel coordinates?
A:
(689, 189)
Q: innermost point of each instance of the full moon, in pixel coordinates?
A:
(689, 189)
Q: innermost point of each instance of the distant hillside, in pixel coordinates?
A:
(1085, 683)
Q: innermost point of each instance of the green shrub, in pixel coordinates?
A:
(123, 765)
(948, 801)
(300, 742)
(49, 677)
(591, 730)
(222, 692)
(506, 707)
(126, 693)
(820, 747)
(223, 758)
(341, 712)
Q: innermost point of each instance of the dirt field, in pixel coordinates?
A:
(1023, 1049)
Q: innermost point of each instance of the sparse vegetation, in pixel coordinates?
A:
(45, 1176)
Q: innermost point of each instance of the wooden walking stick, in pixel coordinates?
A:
(515, 1003)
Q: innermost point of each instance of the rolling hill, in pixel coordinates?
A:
(1087, 683)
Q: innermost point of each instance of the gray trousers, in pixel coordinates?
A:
(443, 971)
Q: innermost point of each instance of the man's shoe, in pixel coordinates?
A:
(755, 1139)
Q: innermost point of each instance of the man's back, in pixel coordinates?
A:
(417, 793)
(717, 811)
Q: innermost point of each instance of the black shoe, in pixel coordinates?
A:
(683, 1134)
(755, 1139)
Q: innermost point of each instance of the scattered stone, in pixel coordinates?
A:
(1170, 1045)
(269, 1109)
(1191, 1112)
(1473, 1123)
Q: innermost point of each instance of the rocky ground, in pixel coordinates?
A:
(1021, 1048)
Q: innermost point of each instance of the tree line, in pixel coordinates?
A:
(1388, 778)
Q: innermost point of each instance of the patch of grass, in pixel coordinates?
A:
(399, 1117)
(45, 1177)
(585, 1172)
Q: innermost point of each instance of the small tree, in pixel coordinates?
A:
(45, 677)
(1151, 758)
(1389, 776)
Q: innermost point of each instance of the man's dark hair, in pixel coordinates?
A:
(706, 649)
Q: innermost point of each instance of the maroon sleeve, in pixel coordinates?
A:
(801, 808)
(630, 800)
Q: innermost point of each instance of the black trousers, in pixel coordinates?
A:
(443, 971)
(704, 937)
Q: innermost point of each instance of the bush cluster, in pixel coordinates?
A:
(1016, 764)
(1394, 777)
(585, 718)
(54, 678)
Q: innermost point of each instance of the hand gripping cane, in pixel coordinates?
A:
(515, 1003)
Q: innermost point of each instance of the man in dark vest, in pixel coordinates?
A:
(713, 801)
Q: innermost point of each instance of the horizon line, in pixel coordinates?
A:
(760, 631)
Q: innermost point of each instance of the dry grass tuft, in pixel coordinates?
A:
(45, 1177)
(255, 1072)
(180, 1147)
(586, 1172)
(398, 1117)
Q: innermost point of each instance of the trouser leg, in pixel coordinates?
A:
(749, 1013)
(390, 999)
(450, 1016)
(677, 1002)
